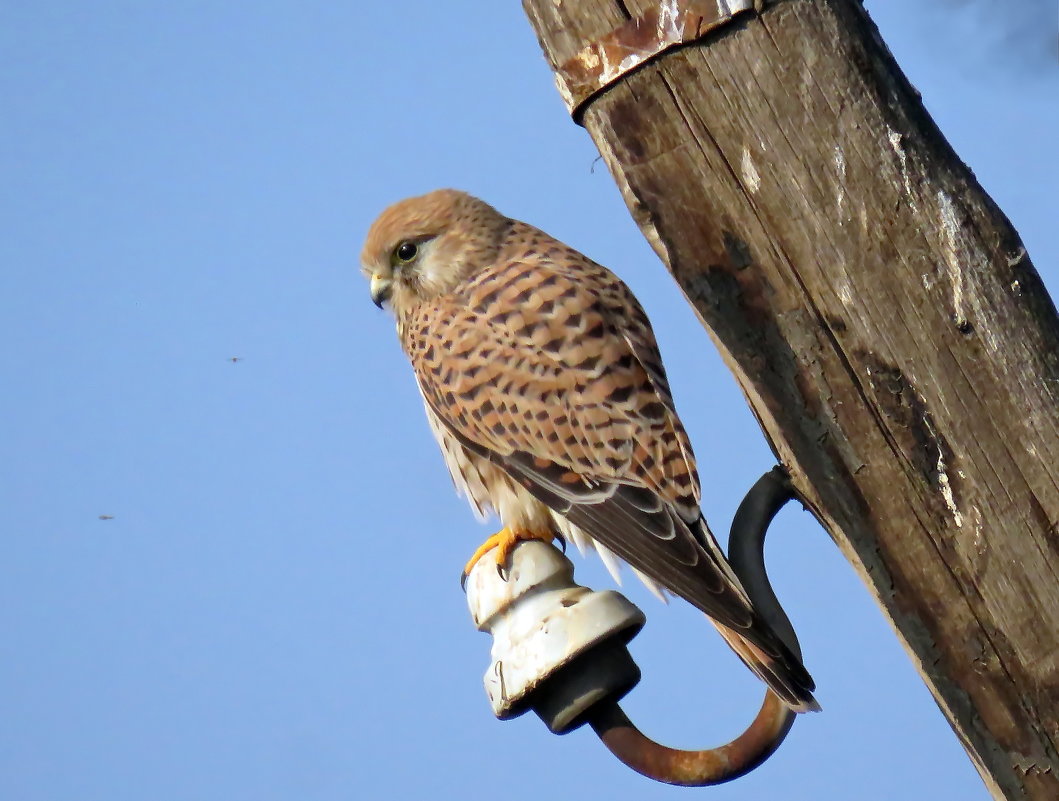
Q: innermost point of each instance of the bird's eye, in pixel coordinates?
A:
(406, 251)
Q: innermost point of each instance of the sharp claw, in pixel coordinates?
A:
(505, 542)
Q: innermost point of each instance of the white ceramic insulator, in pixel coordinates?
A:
(540, 620)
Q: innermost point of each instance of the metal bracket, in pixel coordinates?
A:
(560, 649)
(628, 47)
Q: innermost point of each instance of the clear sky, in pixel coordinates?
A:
(274, 610)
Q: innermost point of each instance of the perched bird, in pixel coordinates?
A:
(544, 387)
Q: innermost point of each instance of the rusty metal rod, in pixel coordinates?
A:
(768, 729)
(694, 768)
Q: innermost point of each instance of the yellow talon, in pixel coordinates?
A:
(504, 541)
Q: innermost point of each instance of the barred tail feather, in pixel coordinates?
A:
(785, 675)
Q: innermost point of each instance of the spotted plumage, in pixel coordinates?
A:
(545, 389)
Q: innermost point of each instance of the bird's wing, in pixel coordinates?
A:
(556, 378)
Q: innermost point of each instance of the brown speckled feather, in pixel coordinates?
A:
(545, 388)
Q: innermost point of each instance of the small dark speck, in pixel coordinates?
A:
(738, 251)
(106, 517)
(964, 327)
(567, 602)
(234, 359)
(836, 324)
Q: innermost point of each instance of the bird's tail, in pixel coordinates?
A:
(780, 669)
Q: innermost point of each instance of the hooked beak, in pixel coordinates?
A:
(381, 287)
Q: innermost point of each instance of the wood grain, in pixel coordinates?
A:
(885, 324)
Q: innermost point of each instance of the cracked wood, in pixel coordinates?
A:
(885, 324)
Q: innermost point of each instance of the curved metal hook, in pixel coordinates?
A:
(746, 549)
(694, 768)
(764, 735)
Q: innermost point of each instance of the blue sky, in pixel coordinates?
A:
(274, 610)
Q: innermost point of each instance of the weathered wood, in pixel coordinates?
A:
(885, 324)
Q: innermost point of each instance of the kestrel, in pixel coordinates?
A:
(544, 387)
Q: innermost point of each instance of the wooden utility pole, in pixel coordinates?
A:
(883, 320)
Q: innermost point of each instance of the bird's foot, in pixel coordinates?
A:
(504, 542)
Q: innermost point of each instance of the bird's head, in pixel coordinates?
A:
(423, 247)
